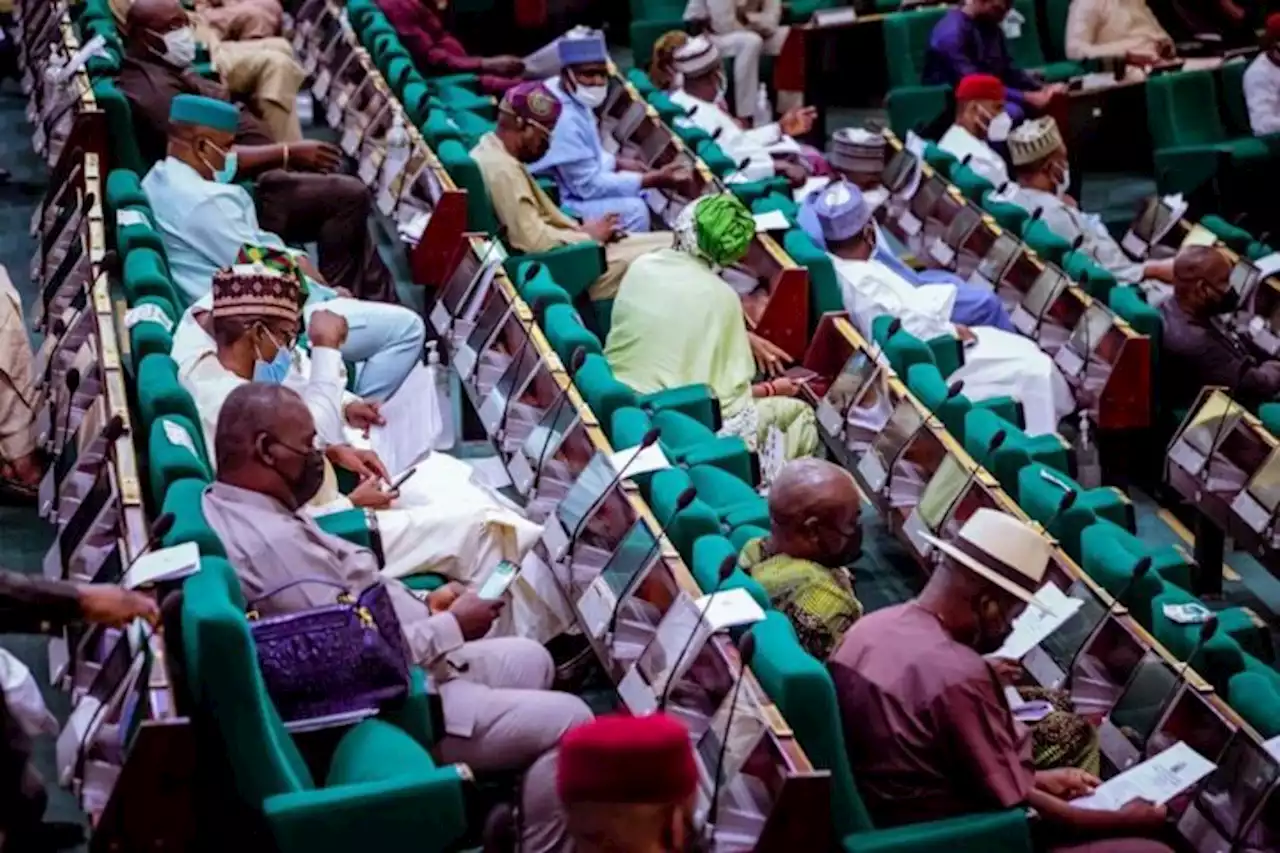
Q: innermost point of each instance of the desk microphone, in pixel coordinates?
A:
(1207, 630)
(1069, 498)
(727, 567)
(682, 503)
(159, 529)
(539, 306)
(650, 439)
(71, 381)
(746, 653)
(953, 390)
(576, 359)
(1140, 571)
(993, 445)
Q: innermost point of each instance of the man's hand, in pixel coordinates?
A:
(796, 175)
(503, 66)
(327, 329)
(440, 600)
(1039, 99)
(475, 615)
(370, 495)
(310, 271)
(363, 414)
(1167, 49)
(1140, 58)
(770, 358)
(799, 121)
(309, 155)
(365, 463)
(343, 292)
(628, 164)
(1143, 818)
(601, 230)
(1008, 671)
(1066, 783)
(115, 606)
(668, 177)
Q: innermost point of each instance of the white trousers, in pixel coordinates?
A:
(745, 47)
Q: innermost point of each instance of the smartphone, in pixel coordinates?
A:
(401, 480)
(503, 575)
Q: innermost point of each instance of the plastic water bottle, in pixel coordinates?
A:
(1088, 468)
(445, 440)
(764, 110)
(399, 149)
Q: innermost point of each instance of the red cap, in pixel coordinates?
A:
(1273, 26)
(623, 759)
(980, 87)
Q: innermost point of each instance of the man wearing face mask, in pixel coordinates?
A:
(500, 715)
(997, 363)
(252, 62)
(527, 117)
(981, 122)
(630, 785)
(970, 40)
(593, 183)
(1043, 175)
(766, 150)
(1196, 351)
(436, 521)
(745, 31)
(929, 732)
(804, 564)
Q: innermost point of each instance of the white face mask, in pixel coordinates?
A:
(590, 97)
(180, 47)
(1063, 182)
(999, 126)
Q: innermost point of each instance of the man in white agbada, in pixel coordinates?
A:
(980, 119)
(996, 363)
(761, 152)
(439, 520)
(1039, 158)
(745, 31)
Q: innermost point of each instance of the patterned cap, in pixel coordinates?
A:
(264, 282)
(1033, 140)
(717, 229)
(534, 103)
(696, 57)
(581, 48)
(855, 149)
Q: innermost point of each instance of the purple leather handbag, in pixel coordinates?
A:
(342, 658)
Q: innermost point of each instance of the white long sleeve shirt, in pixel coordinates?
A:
(1262, 95)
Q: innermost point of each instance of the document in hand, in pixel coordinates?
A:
(1050, 610)
(1157, 780)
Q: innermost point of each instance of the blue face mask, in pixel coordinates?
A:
(230, 164)
(273, 372)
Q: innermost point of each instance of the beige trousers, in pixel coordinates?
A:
(260, 68)
(17, 386)
(746, 47)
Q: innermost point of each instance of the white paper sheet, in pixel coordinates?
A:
(413, 422)
(771, 221)
(729, 608)
(1157, 780)
(167, 564)
(811, 186)
(640, 461)
(1268, 265)
(1037, 622)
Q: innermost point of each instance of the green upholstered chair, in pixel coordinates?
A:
(940, 159)
(709, 553)
(970, 183)
(740, 536)
(804, 694)
(1045, 242)
(535, 283)
(146, 274)
(466, 174)
(1026, 51)
(1128, 303)
(906, 40)
(1190, 140)
(1219, 659)
(667, 109)
(639, 78)
(1041, 498)
(1255, 694)
(1257, 250)
(650, 19)
(160, 393)
(135, 229)
(184, 500)
(605, 395)
(683, 440)
(1055, 27)
(1009, 216)
(720, 163)
(149, 337)
(904, 349)
(781, 203)
(1109, 556)
(687, 527)
(124, 189)
(1269, 414)
(749, 192)
(825, 294)
(565, 332)
(735, 500)
(926, 382)
(124, 150)
(914, 108)
(1235, 109)
(1095, 279)
(382, 788)
(1236, 238)
(174, 453)
(1016, 452)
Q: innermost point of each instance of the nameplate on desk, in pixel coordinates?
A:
(595, 607)
(1252, 513)
(830, 419)
(1134, 245)
(943, 254)
(350, 142)
(1069, 362)
(872, 471)
(910, 223)
(915, 530)
(834, 17)
(636, 693)
(520, 471)
(1024, 322)
(320, 88)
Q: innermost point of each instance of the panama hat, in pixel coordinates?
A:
(1002, 549)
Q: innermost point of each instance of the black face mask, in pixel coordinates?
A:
(309, 480)
(1227, 302)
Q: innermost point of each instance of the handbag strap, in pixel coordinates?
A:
(251, 604)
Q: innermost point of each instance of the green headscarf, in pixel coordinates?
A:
(722, 229)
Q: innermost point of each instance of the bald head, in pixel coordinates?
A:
(814, 508)
(1201, 278)
(252, 411)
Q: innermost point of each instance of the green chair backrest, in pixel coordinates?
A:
(691, 524)
(926, 382)
(466, 174)
(1109, 555)
(940, 159)
(1217, 661)
(227, 686)
(185, 500)
(1236, 238)
(1044, 241)
(1231, 75)
(974, 186)
(1055, 26)
(1255, 694)
(904, 349)
(906, 39)
(1096, 279)
(1025, 50)
(565, 332)
(825, 293)
(160, 393)
(146, 274)
(709, 554)
(124, 150)
(173, 454)
(1009, 216)
(1182, 109)
(601, 389)
(806, 697)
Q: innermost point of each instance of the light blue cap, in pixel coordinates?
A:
(580, 49)
(204, 112)
(841, 211)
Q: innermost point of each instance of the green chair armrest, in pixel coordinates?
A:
(1006, 831)
(749, 192)
(913, 107)
(575, 268)
(695, 401)
(456, 81)
(429, 582)
(1006, 407)
(349, 524)
(947, 353)
(1186, 168)
(750, 514)
(413, 715)
(728, 453)
(423, 810)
